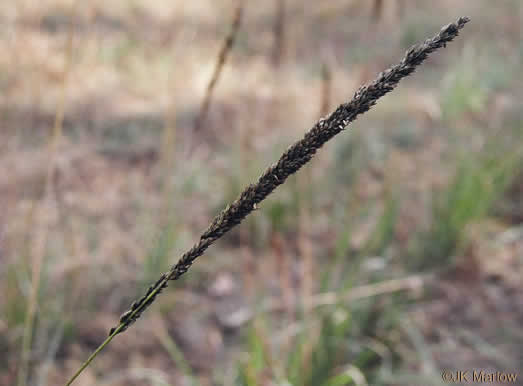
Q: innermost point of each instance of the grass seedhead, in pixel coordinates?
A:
(289, 163)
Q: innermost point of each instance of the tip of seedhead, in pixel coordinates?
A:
(463, 20)
(453, 28)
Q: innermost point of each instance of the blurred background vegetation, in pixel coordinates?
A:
(395, 254)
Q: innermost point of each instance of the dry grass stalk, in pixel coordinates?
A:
(326, 87)
(377, 9)
(169, 142)
(279, 33)
(305, 248)
(42, 227)
(410, 283)
(413, 284)
(220, 62)
(169, 130)
(290, 162)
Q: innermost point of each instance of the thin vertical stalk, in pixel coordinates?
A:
(377, 10)
(279, 33)
(326, 89)
(220, 62)
(40, 241)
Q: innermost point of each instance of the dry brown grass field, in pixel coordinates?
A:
(394, 255)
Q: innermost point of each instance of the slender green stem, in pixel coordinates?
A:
(121, 327)
(94, 354)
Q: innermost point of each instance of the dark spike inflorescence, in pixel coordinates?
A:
(292, 160)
